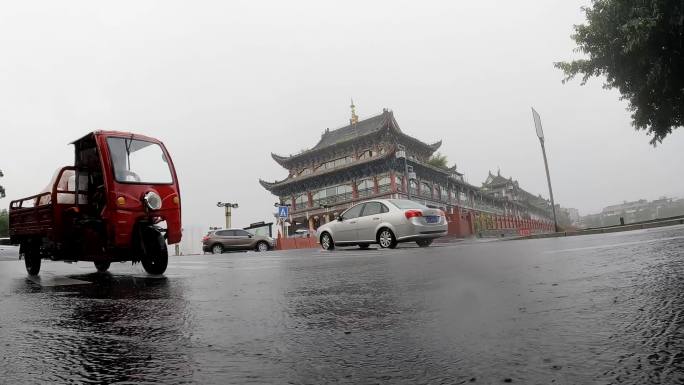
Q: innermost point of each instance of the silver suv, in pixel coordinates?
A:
(219, 241)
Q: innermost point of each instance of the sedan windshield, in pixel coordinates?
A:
(404, 204)
(139, 161)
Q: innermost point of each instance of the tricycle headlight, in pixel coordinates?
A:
(152, 200)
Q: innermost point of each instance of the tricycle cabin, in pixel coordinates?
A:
(106, 207)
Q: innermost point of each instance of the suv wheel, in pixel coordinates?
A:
(262, 246)
(217, 249)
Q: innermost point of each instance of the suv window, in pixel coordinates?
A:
(374, 208)
(353, 212)
(223, 233)
(241, 233)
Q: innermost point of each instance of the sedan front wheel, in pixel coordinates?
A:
(386, 239)
(327, 242)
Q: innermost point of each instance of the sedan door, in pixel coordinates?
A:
(371, 217)
(346, 229)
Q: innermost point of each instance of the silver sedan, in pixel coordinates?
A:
(385, 222)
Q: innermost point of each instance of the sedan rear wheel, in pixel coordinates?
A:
(327, 242)
(386, 239)
(424, 242)
(217, 249)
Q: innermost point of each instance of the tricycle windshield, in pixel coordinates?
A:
(139, 161)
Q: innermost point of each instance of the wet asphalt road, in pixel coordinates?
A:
(602, 309)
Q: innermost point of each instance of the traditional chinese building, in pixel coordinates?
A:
(508, 189)
(359, 161)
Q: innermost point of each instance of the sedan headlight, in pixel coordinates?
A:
(153, 200)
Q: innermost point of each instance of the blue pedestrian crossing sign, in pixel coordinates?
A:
(283, 211)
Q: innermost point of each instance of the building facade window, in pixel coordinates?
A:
(426, 189)
(384, 183)
(286, 201)
(443, 194)
(332, 195)
(367, 154)
(399, 180)
(334, 163)
(301, 202)
(413, 187)
(365, 187)
(305, 171)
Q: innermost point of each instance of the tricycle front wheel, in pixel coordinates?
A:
(156, 257)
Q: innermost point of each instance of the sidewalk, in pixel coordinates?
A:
(672, 221)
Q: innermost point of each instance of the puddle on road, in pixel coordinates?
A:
(49, 280)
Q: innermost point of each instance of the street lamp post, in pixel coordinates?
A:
(540, 135)
(228, 207)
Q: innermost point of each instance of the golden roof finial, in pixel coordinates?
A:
(354, 118)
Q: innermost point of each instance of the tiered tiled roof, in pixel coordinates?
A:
(355, 131)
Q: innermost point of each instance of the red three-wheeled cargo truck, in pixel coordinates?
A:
(120, 201)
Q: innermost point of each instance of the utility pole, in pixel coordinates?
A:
(540, 135)
(229, 213)
(2, 189)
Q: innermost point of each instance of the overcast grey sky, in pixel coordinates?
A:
(225, 83)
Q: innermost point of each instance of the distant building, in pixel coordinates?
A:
(574, 216)
(636, 211)
(359, 161)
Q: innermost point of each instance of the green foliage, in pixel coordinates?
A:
(438, 160)
(2, 189)
(4, 223)
(638, 46)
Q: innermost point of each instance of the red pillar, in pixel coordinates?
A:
(393, 182)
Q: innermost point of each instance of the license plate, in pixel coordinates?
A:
(431, 219)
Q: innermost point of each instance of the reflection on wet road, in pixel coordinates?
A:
(567, 310)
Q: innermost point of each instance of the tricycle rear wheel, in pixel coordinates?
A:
(102, 266)
(156, 256)
(32, 260)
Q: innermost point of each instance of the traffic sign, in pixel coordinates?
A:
(283, 211)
